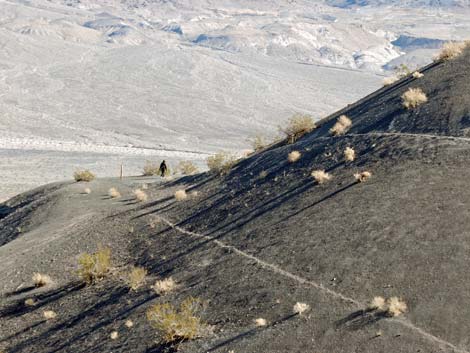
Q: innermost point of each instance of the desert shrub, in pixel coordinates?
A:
(387, 81)
(41, 280)
(396, 306)
(164, 286)
(378, 303)
(93, 267)
(180, 195)
(263, 174)
(136, 277)
(417, 74)
(87, 191)
(140, 195)
(114, 193)
(258, 143)
(413, 98)
(187, 168)
(297, 126)
(221, 162)
(321, 176)
(260, 322)
(300, 308)
(83, 175)
(402, 71)
(349, 154)
(177, 324)
(129, 323)
(114, 335)
(362, 176)
(452, 50)
(151, 169)
(294, 156)
(49, 315)
(30, 302)
(341, 126)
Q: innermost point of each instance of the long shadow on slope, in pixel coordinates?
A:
(101, 310)
(19, 307)
(360, 319)
(251, 332)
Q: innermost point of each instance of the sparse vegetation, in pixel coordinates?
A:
(49, 315)
(396, 306)
(452, 50)
(187, 168)
(164, 286)
(417, 75)
(413, 98)
(261, 322)
(298, 126)
(393, 306)
(300, 308)
(258, 143)
(221, 162)
(140, 195)
(83, 175)
(151, 169)
(263, 174)
(294, 156)
(177, 324)
(41, 280)
(114, 193)
(362, 176)
(87, 191)
(114, 335)
(387, 81)
(180, 195)
(402, 71)
(378, 303)
(349, 154)
(341, 126)
(321, 176)
(93, 267)
(136, 277)
(30, 302)
(129, 323)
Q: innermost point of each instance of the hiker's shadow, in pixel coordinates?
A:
(360, 319)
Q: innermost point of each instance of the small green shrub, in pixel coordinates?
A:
(174, 325)
(258, 143)
(136, 277)
(83, 175)
(93, 267)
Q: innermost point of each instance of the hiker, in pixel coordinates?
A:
(163, 168)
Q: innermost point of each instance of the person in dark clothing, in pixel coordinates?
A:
(163, 168)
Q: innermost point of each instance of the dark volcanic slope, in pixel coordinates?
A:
(253, 245)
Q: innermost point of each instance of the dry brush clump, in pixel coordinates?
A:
(387, 81)
(321, 176)
(300, 308)
(140, 195)
(294, 156)
(136, 277)
(114, 193)
(49, 315)
(83, 175)
(221, 162)
(41, 280)
(393, 306)
(413, 98)
(258, 143)
(177, 324)
(96, 266)
(187, 168)
(349, 154)
(181, 195)
(164, 286)
(362, 177)
(452, 50)
(298, 126)
(87, 191)
(342, 125)
(417, 75)
(260, 322)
